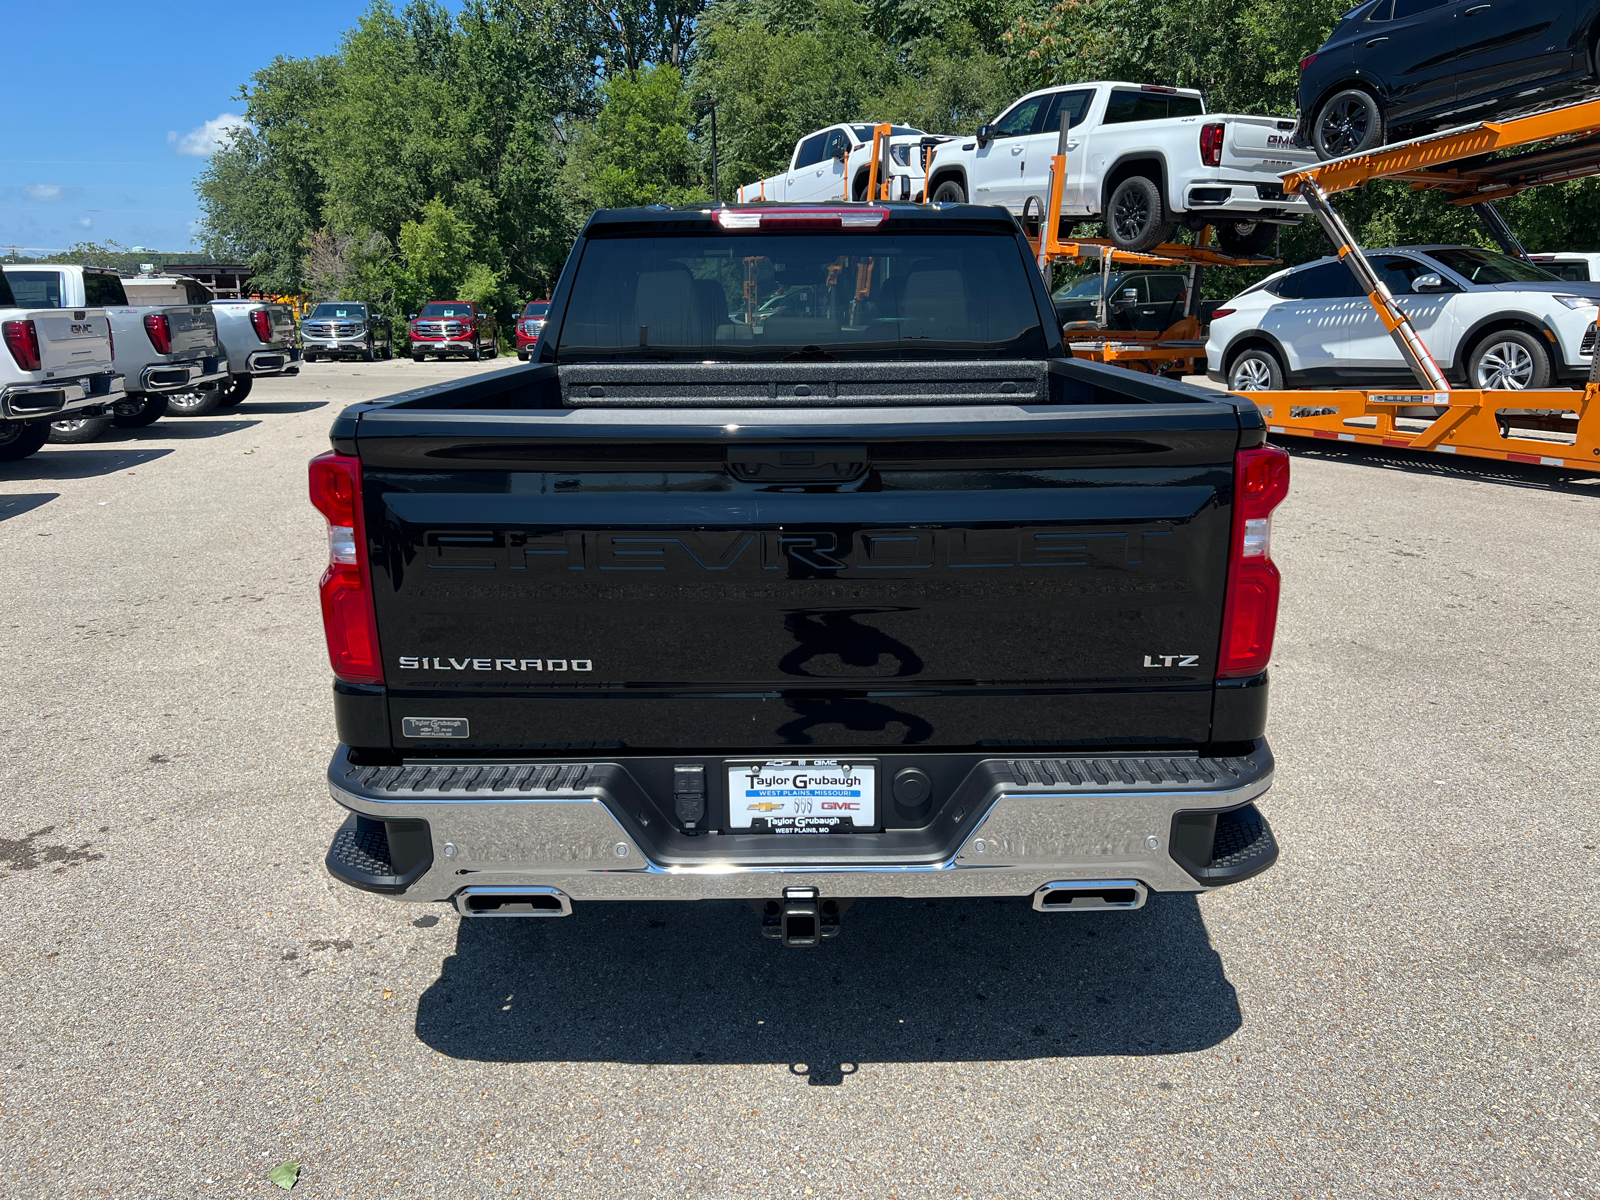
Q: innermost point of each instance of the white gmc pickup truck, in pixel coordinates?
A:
(56, 361)
(822, 162)
(1143, 158)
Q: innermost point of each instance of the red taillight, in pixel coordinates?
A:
(1211, 145)
(22, 339)
(1307, 61)
(348, 618)
(1223, 312)
(1250, 613)
(155, 324)
(261, 319)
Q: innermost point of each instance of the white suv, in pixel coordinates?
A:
(1490, 321)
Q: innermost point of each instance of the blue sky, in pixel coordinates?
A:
(122, 94)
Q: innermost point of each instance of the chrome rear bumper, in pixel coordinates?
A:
(181, 376)
(28, 400)
(1018, 838)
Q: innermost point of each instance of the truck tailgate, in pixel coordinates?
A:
(956, 578)
(194, 329)
(71, 343)
(1261, 144)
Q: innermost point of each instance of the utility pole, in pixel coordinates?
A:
(716, 190)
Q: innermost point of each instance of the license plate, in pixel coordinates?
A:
(803, 795)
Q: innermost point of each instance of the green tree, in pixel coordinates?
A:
(262, 196)
(638, 148)
(435, 256)
(776, 74)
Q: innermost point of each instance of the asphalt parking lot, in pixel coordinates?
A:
(1405, 1006)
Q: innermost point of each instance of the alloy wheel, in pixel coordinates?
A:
(1132, 215)
(1251, 375)
(1505, 367)
(1344, 126)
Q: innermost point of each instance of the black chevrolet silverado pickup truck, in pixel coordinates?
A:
(802, 565)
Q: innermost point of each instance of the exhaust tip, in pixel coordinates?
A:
(513, 902)
(1089, 895)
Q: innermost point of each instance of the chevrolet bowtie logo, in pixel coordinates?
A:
(765, 806)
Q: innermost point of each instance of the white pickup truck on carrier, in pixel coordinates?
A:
(1141, 157)
(822, 162)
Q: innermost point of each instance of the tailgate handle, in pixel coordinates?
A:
(797, 464)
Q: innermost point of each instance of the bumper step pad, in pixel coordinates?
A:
(380, 856)
(1223, 848)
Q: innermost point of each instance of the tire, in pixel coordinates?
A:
(151, 411)
(371, 352)
(1255, 370)
(417, 357)
(309, 357)
(236, 389)
(477, 353)
(1511, 360)
(74, 431)
(494, 349)
(194, 404)
(1246, 239)
(949, 192)
(524, 355)
(1136, 217)
(18, 439)
(1348, 122)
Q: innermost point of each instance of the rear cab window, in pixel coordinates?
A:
(1130, 104)
(36, 289)
(1573, 272)
(827, 295)
(102, 289)
(7, 300)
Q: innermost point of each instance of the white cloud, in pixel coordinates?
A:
(86, 222)
(205, 140)
(42, 191)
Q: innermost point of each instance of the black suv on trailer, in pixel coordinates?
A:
(1390, 64)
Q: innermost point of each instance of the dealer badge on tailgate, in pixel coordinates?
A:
(803, 795)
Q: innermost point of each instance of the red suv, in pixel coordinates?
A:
(529, 326)
(453, 327)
